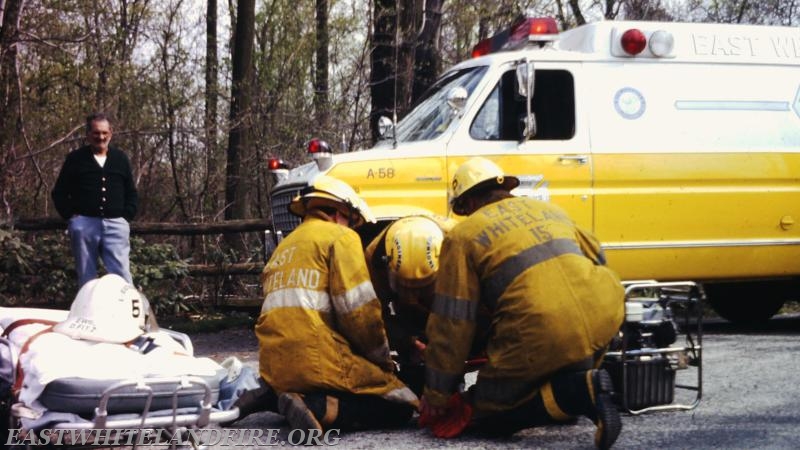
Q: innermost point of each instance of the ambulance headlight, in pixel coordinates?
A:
(661, 43)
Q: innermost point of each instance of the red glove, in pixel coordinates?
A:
(449, 423)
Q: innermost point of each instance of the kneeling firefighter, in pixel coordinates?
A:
(403, 261)
(322, 344)
(554, 308)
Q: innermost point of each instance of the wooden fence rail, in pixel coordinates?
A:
(177, 229)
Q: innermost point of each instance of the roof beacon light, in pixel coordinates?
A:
(633, 41)
(320, 152)
(275, 163)
(278, 168)
(317, 147)
(531, 29)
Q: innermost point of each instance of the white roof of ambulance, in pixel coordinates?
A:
(693, 42)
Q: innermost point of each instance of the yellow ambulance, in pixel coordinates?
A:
(677, 144)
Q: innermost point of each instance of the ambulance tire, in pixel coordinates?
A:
(750, 302)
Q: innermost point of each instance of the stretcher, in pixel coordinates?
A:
(51, 382)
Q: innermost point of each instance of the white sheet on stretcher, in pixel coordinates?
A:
(53, 356)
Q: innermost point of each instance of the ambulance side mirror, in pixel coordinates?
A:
(457, 100)
(525, 82)
(525, 79)
(385, 127)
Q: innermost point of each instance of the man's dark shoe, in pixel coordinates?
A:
(294, 409)
(605, 414)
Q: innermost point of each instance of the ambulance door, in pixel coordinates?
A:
(554, 165)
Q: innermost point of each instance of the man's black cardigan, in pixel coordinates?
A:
(85, 188)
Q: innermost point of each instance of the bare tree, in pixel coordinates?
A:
(405, 60)
(241, 99)
(321, 65)
(10, 102)
(211, 102)
(382, 80)
(427, 59)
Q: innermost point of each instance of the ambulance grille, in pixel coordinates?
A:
(282, 219)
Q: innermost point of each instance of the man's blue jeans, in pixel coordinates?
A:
(94, 237)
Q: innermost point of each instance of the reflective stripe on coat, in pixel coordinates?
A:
(320, 326)
(552, 301)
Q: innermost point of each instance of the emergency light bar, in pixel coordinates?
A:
(532, 29)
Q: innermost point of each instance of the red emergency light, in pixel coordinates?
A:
(275, 163)
(531, 29)
(316, 146)
(633, 41)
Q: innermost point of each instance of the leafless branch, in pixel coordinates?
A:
(68, 136)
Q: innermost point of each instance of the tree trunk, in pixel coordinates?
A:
(241, 98)
(9, 94)
(405, 45)
(211, 103)
(576, 11)
(382, 63)
(427, 60)
(321, 66)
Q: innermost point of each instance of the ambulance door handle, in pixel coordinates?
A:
(580, 159)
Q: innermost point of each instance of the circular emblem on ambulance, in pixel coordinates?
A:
(629, 103)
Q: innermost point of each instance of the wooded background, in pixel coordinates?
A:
(203, 92)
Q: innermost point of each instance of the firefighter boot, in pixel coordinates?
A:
(309, 411)
(589, 394)
(262, 398)
(294, 408)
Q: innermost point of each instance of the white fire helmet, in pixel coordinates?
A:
(107, 309)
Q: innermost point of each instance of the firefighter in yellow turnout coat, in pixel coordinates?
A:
(403, 260)
(554, 307)
(322, 344)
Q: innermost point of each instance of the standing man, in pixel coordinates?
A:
(322, 342)
(554, 308)
(96, 193)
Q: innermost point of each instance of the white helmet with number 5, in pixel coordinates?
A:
(107, 309)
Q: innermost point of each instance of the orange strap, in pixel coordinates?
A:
(22, 322)
(20, 375)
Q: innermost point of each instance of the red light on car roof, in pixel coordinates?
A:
(633, 41)
(317, 145)
(531, 29)
(275, 164)
(541, 25)
(483, 47)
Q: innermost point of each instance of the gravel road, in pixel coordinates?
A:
(751, 399)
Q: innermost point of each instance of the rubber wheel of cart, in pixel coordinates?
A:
(750, 302)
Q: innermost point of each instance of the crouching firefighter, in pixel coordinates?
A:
(403, 261)
(554, 308)
(323, 353)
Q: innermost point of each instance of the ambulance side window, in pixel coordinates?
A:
(499, 119)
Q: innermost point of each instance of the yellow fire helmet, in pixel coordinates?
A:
(335, 193)
(412, 251)
(477, 172)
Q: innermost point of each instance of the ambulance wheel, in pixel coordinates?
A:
(750, 302)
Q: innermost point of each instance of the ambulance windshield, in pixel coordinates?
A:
(432, 115)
